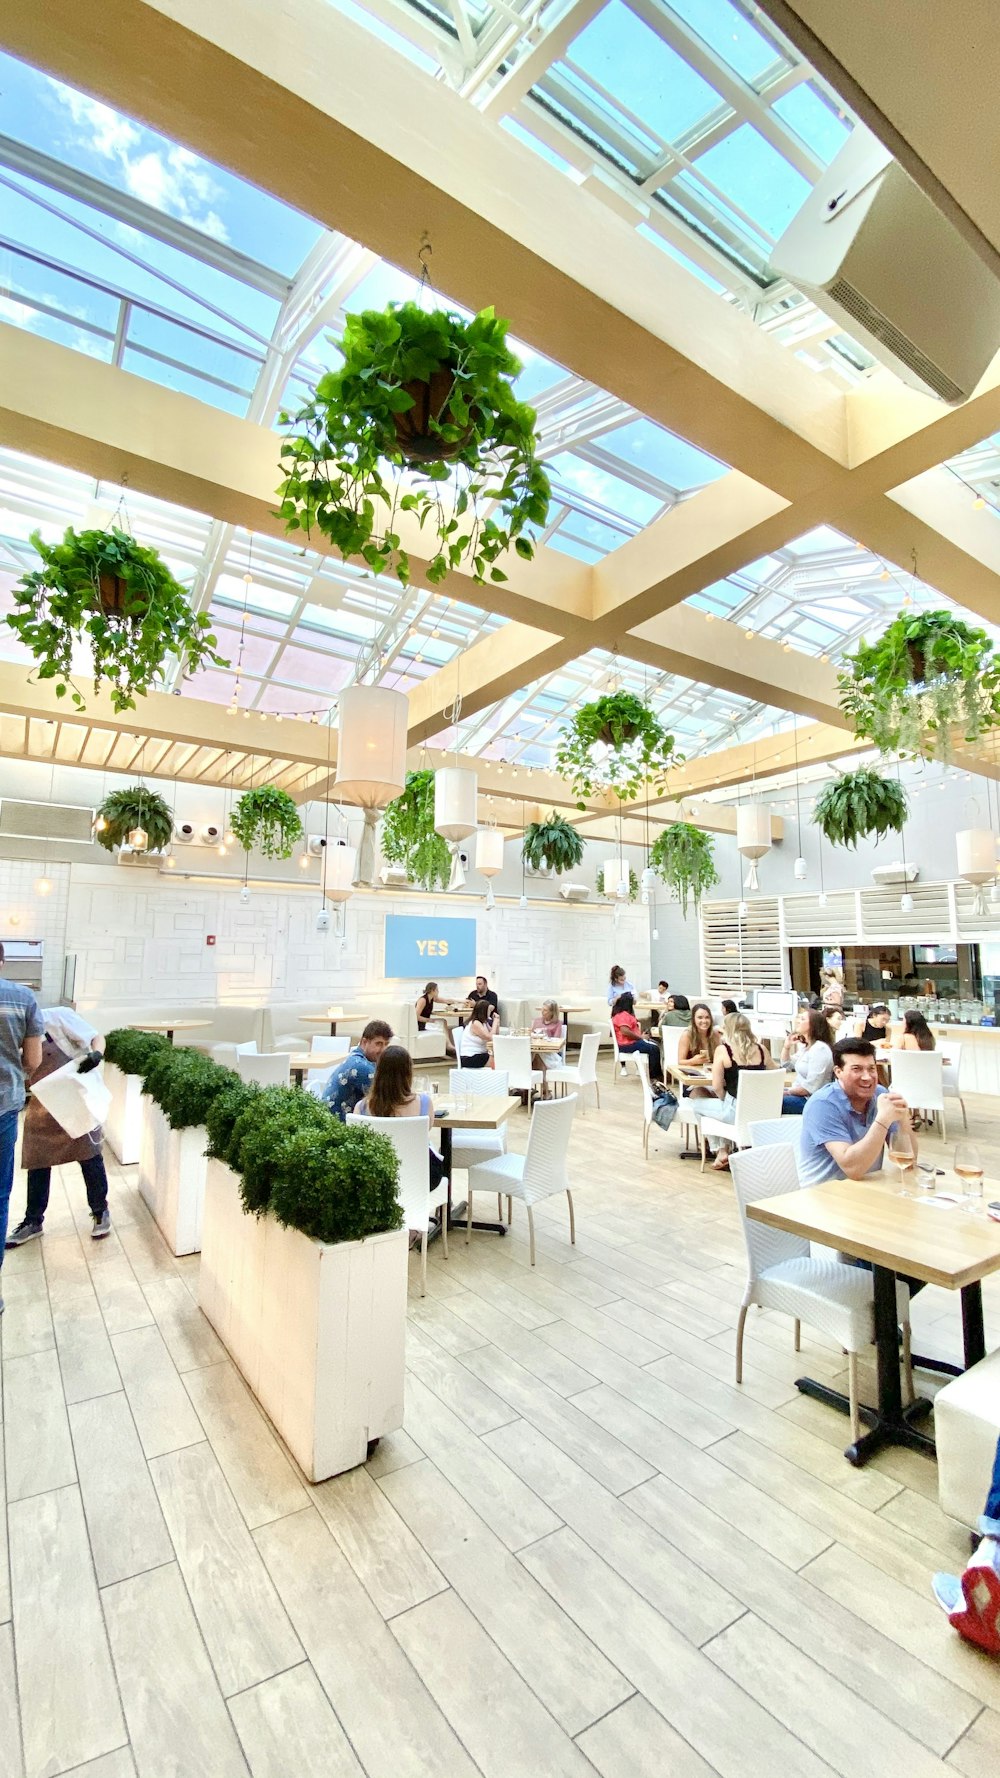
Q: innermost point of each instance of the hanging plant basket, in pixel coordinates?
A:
(615, 744)
(683, 857)
(612, 894)
(429, 393)
(857, 804)
(553, 843)
(927, 676)
(267, 818)
(409, 837)
(122, 811)
(103, 589)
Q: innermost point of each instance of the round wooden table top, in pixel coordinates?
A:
(171, 1025)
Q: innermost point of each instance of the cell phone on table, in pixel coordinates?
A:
(993, 1210)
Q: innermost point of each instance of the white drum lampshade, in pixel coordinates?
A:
(977, 860)
(753, 837)
(338, 872)
(456, 800)
(371, 746)
(489, 857)
(615, 874)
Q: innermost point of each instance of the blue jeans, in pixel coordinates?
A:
(793, 1104)
(990, 1521)
(8, 1143)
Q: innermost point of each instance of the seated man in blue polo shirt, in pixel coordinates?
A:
(845, 1126)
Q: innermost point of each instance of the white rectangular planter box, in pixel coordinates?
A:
(172, 1167)
(123, 1128)
(317, 1331)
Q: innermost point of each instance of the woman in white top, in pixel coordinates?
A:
(619, 984)
(478, 1035)
(810, 1050)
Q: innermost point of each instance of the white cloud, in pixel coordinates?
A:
(172, 180)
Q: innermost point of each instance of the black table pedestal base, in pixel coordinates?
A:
(882, 1430)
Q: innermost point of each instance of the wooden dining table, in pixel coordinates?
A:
(484, 1111)
(332, 1017)
(300, 1066)
(921, 1237)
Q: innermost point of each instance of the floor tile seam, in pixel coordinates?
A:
(378, 1480)
(967, 1730)
(16, 1680)
(86, 1517)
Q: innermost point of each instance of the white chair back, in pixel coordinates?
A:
(587, 1065)
(951, 1060)
(265, 1071)
(548, 1143)
(758, 1096)
(642, 1068)
(334, 1047)
(410, 1137)
(670, 1038)
(513, 1056)
(491, 1082)
(770, 1130)
(765, 1173)
(919, 1076)
(246, 1049)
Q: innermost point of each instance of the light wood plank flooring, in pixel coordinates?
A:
(588, 1551)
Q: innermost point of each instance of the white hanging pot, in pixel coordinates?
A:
(647, 882)
(489, 858)
(977, 861)
(456, 797)
(371, 746)
(753, 837)
(338, 872)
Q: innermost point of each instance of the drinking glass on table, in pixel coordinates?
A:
(900, 1152)
(969, 1169)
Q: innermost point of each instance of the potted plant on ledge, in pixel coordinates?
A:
(684, 858)
(103, 589)
(421, 420)
(928, 675)
(552, 844)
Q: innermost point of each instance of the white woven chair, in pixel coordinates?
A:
(410, 1137)
(642, 1069)
(512, 1056)
(621, 1061)
(584, 1074)
(670, 1042)
(470, 1147)
(951, 1075)
(824, 1292)
(919, 1076)
(539, 1173)
(266, 1070)
(769, 1130)
(758, 1096)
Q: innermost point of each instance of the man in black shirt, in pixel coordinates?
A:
(482, 991)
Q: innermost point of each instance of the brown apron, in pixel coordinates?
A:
(44, 1143)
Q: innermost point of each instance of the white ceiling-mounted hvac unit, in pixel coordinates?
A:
(45, 821)
(873, 252)
(393, 876)
(574, 892)
(887, 875)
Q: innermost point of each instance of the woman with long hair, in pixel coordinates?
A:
(697, 1046)
(478, 1035)
(425, 1005)
(391, 1095)
(618, 983)
(738, 1050)
(809, 1048)
(628, 1033)
(916, 1033)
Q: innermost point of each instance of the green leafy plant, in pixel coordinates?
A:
(927, 675)
(260, 1134)
(268, 819)
(337, 1183)
(131, 1051)
(684, 858)
(185, 1083)
(103, 588)
(430, 393)
(857, 804)
(615, 743)
(633, 885)
(553, 842)
(222, 1115)
(123, 810)
(408, 836)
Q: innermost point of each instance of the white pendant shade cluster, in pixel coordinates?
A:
(371, 759)
(753, 837)
(489, 858)
(977, 861)
(456, 802)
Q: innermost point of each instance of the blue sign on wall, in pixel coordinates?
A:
(426, 949)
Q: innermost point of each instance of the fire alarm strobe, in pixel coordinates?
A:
(210, 938)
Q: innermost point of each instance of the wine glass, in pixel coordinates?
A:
(969, 1168)
(901, 1155)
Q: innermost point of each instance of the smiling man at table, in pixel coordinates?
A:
(845, 1126)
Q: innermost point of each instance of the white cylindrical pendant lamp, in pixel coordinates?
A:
(615, 874)
(647, 882)
(489, 851)
(753, 837)
(456, 797)
(977, 861)
(338, 872)
(371, 746)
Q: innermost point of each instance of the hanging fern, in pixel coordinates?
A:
(857, 804)
(122, 810)
(268, 819)
(684, 858)
(409, 837)
(553, 842)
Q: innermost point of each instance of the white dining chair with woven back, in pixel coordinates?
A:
(758, 1096)
(951, 1057)
(471, 1147)
(584, 1072)
(541, 1172)
(410, 1137)
(265, 1070)
(919, 1076)
(512, 1056)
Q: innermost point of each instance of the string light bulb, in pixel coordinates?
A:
(43, 886)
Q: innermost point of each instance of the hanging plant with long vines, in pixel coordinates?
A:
(928, 677)
(615, 744)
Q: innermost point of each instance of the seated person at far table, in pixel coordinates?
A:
(697, 1046)
(875, 1026)
(810, 1050)
(483, 991)
(351, 1078)
(425, 1005)
(478, 1035)
(628, 1032)
(547, 1024)
(391, 1095)
(678, 1010)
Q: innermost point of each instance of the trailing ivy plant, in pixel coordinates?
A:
(268, 819)
(857, 804)
(409, 837)
(615, 743)
(120, 598)
(123, 810)
(683, 857)
(554, 843)
(928, 674)
(420, 418)
(633, 886)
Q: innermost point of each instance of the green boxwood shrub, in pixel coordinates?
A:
(261, 1133)
(131, 1050)
(184, 1084)
(221, 1116)
(338, 1183)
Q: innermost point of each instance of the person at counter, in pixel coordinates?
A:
(846, 1125)
(874, 1028)
(916, 1033)
(809, 1048)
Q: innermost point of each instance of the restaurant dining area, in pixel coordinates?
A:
(499, 890)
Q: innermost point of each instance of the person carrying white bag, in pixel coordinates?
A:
(59, 1132)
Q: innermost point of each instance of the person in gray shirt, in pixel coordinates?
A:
(21, 1031)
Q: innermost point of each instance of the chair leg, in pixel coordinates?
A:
(572, 1219)
(965, 1121)
(944, 1126)
(444, 1228)
(468, 1216)
(704, 1149)
(510, 1211)
(597, 1094)
(741, 1323)
(423, 1263)
(909, 1394)
(499, 1206)
(852, 1391)
(531, 1234)
(645, 1140)
(798, 1336)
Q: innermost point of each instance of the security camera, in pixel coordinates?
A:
(463, 858)
(210, 836)
(316, 845)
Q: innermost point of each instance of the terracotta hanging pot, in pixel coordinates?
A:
(113, 593)
(430, 402)
(918, 662)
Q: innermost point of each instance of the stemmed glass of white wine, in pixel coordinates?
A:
(901, 1155)
(969, 1168)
